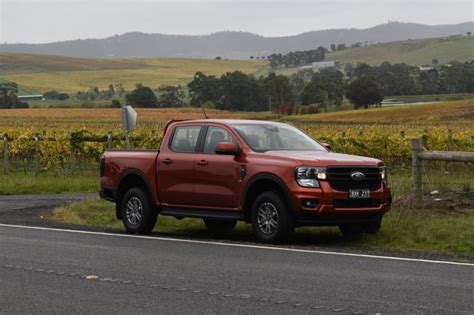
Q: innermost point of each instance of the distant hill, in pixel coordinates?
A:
(233, 45)
(413, 52)
(36, 73)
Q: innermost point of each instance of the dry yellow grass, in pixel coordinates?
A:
(445, 113)
(82, 73)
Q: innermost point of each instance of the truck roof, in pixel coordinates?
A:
(233, 121)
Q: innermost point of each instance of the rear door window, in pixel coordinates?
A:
(185, 139)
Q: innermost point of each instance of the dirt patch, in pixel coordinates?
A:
(452, 202)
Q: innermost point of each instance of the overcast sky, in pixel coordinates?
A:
(37, 21)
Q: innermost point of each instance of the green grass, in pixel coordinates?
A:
(413, 52)
(402, 229)
(19, 183)
(429, 98)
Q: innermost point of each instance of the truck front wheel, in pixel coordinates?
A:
(137, 213)
(271, 220)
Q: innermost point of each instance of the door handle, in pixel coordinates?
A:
(203, 163)
(167, 161)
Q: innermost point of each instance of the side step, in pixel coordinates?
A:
(202, 213)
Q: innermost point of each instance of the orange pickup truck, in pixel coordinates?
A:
(269, 174)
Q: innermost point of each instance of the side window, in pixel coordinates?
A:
(185, 138)
(215, 135)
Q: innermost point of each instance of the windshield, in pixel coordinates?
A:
(262, 138)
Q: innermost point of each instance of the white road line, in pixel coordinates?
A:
(239, 245)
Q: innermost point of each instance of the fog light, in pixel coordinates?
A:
(309, 203)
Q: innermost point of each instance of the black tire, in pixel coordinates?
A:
(219, 226)
(268, 206)
(372, 227)
(138, 214)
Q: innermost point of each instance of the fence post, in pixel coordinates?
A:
(127, 140)
(109, 140)
(37, 153)
(416, 167)
(450, 148)
(5, 153)
(73, 159)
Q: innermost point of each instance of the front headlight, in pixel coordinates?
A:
(384, 175)
(307, 176)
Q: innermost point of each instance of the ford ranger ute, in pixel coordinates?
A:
(269, 174)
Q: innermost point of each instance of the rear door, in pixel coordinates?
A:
(216, 176)
(175, 178)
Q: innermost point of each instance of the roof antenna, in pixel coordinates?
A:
(204, 111)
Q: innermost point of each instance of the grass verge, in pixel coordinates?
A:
(48, 183)
(442, 232)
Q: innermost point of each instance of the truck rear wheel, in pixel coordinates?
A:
(138, 215)
(271, 220)
(219, 226)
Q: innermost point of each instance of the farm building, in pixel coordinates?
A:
(324, 64)
(30, 97)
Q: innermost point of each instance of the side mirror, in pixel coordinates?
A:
(227, 148)
(327, 146)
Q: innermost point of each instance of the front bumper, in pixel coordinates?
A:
(107, 194)
(332, 203)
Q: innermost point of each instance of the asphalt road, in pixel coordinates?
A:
(57, 271)
(24, 202)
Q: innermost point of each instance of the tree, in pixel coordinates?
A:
(241, 92)
(9, 96)
(468, 33)
(333, 47)
(325, 88)
(364, 92)
(277, 89)
(457, 77)
(120, 90)
(429, 82)
(204, 88)
(55, 95)
(341, 47)
(170, 96)
(116, 104)
(297, 85)
(434, 62)
(142, 96)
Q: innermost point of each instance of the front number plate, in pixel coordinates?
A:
(359, 193)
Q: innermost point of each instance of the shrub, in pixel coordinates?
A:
(116, 104)
(309, 109)
(285, 109)
(209, 105)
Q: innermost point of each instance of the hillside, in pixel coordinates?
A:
(413, 52)
(233, 45)
(42, 73)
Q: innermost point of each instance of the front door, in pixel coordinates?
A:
(175, 178)
(216, 176)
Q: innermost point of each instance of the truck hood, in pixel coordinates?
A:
(323, 158)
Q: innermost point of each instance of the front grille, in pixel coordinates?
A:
(356, 203)
(340, 178)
